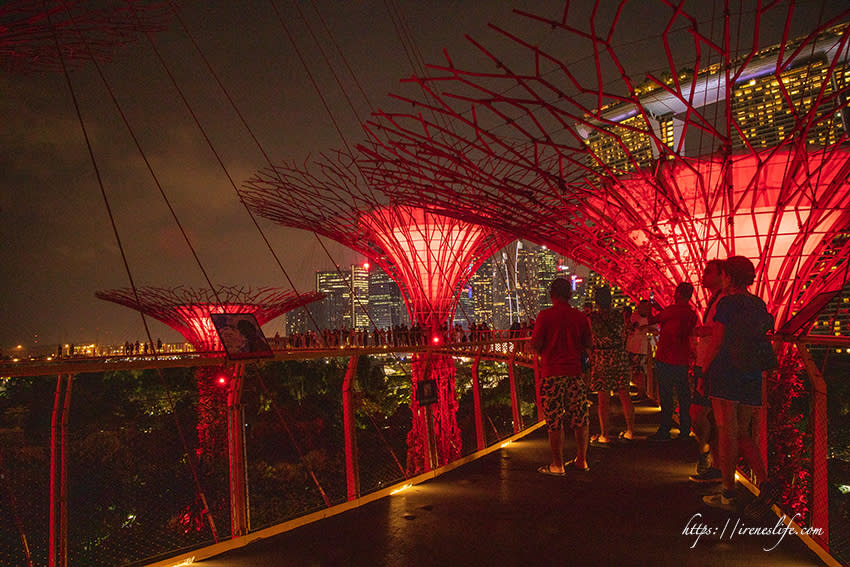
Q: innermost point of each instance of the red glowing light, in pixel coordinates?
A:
(366, 265)
(436, 340)
(222, 380)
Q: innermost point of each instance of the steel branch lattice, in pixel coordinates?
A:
(188, 310)
(32, 30)
(430, 256)
(737, 145)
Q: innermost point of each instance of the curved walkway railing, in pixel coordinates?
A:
(125, 459)
(129, 459)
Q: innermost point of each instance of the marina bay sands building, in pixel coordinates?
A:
(760, 113)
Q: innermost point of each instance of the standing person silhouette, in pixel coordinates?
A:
(735, 375)
(609, 367)
(676, 323)
(702, 417)
(561, 335)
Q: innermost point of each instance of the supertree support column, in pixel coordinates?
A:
(188, 311)
(430, 257)
(38, 35)
(447, 435)
(673, 146)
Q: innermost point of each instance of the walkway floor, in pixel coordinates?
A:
(630, 509)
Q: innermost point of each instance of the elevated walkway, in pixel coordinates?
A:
(630, 509)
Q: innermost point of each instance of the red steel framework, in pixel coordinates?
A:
(430, 257)
(220, 411)
(38, 35)
(646, 149)
(643, 176)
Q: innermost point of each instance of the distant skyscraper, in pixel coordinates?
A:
(360, 312)
(335, 309)
(481, 285)
(547, 270)
(527, 281)
(385, 303)
(297, 320)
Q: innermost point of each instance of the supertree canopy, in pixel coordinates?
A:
(430, 257)
(701, 136)
(188, 310)
(37, 35)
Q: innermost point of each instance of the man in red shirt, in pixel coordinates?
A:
(561, 336)
(676, 324)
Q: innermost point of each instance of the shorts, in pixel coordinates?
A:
(609, 370)
(564, 401)
(736, 387)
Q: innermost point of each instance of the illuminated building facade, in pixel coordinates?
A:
(346, 303)
(385, 303)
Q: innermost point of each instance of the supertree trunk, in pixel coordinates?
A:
(447, 436)
(212, 417)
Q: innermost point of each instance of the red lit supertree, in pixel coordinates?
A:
(37, 35)
(667, 137)
(729, 148)
(187, 311)
(430, 257)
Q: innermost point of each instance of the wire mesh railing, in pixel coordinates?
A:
(92, 466)
(93, 469)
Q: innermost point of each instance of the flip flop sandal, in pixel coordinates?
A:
(595, 442)
(547, 471)
(572, 466)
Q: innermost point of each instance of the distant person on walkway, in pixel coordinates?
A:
(609, 366)
(702, 417)
(637, 347)
(739, 354)
(672, 358)
(561, 335)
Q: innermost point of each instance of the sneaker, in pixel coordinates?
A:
(704, 463)
(711, 474)
(660, 437)
(726, 500)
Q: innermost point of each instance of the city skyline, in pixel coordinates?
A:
(58, 244)
(56, 233)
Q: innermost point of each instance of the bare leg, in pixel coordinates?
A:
(556, 444)
(726, 415)
(628, 412)
(701, 426)
(748, 426)
(581, 435)
(602, 411)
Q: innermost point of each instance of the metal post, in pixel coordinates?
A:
(352, 471)
(481, 442)
(820, 448)
(239, 523)
(57, 555)
(517, 415)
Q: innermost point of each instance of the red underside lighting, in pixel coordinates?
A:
(436, 340)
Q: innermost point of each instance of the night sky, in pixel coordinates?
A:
(56, 241)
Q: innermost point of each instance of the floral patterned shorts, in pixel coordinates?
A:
(609, 370)
(564, 400)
